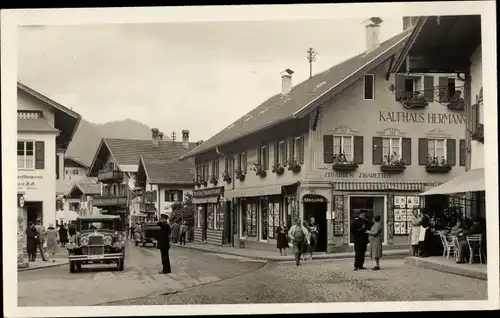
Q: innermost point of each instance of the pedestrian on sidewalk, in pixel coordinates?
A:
(31, 241)
(52, 236)
(164, 244)
(307, 243)
(298, 234)
(416, 221)
(41, 238)
(314, 230)
(175, 232)
(375, 234)
(281, 239)
(359, 229)
(183, 230)
(63, 235)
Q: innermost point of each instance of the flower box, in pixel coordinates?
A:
(241, 177)
(294, 166)
(435, 165)
(278, 169)
(227, 177)
(414, 100)
(392, 168)
(259, 170)
(345, 166)
(213, 180)
(239, 174)
(478, 133)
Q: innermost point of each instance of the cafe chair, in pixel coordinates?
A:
(456, 245)
(475, 247)
(448, 247)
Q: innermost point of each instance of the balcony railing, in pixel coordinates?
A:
(106, 200)
(110, 176)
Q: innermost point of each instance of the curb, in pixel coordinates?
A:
(290, 258)
(445, 268)
(42, 267)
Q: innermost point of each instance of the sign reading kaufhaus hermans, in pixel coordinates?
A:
(212, 192)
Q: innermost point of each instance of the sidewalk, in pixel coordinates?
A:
(274, 256)
(38, 264)
(441, 264)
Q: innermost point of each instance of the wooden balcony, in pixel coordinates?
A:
(108, 200)
(110, 176)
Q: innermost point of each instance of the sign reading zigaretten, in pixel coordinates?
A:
(360, 175)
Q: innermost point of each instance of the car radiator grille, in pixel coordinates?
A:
(96, 240)
(95, 250)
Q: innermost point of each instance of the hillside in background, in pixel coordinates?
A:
(89, 135)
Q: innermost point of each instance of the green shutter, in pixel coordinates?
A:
(406, 150)
(39, 155)
(328, 149)
(358, 149)
(443, 89)
(400, 86)
(451, 151)
(423, 151)
(462, 152)
(429, 88)
(377, 155)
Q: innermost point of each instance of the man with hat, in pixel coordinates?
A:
(41, 238)
(359, 232)
(164, 244)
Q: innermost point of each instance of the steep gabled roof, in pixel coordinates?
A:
(166, 168)
(305, 96)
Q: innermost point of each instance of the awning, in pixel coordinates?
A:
(378, 186)
(205, 200)
(254, 192)
(470, 181)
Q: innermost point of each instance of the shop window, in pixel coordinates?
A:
(338, 210)
(274, 219)
(26, 155)
(235, 219)
(403, 211)
(244, 220)
(219, 218)
(251, 217)
(369, 87)
(264, 221)
(391, 149)
(210, 216)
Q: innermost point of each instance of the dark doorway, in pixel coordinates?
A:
(371, 206)
(315, 207)
(34, 211)
(204, 223)
(228, 233)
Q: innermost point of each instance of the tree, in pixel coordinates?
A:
(183, 211)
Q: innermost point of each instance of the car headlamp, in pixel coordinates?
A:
(84, 241)
(107, 240)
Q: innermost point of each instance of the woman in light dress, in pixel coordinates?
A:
(375, 235)
(52, 237)
(415, 221)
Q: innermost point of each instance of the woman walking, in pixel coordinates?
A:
(298, 234)
(63, 235)
(31, 241)
(52, 236)
(307, 243)
(281, 239)
(375, 235)
(415, 221)
(313, 229)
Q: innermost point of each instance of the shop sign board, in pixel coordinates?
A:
(359, 175)
(212, 192)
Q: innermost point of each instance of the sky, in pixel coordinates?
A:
(200, 76)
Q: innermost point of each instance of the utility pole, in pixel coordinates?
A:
(311, 57)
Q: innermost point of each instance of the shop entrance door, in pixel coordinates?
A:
(315, 207)
(371, 206)
(204, 223)
(34, 211)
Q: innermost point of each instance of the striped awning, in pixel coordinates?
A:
(378, 186)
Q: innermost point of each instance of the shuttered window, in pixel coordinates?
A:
(328, 149)
(39, 155)
(343, 145)
(299, 150)
(25, 155)
(264, 157)
(291, 151)
(451, 151)
(407, 86)
(422, 151)
(391, 149)
(406, 150)
(377, 155)
(358, 149)
(282, 153)
(462, 152)
(436, 149)
(244, 162)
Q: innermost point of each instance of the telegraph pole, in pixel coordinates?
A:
(311, 57)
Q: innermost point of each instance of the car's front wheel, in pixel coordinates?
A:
(120, 264)
(72, 267)
(78, 266)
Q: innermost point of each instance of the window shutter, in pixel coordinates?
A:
(462, 152)
(301, 150)
(377, 156)
(285, 152)
(57, 166)
(429, 88)
(423, 151)
(400, 86)
(266, 158)
(259, 155)
(276, 151)
(474, 117)
(290, 158)
(39, 155)
(406, 150)
(358, 149)
(443, 89)
(226, 165)
(180, 196)
(328, 148)
(451, 151)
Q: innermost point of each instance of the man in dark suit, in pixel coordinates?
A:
(164, 244)
(359, 228)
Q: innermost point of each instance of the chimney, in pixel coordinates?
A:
(373, 33)
(409, 22)
(160, 135)
(155, 136)
(286, 81)
(185, 138)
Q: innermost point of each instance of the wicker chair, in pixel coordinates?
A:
(448, 246)
(456, 245)
(475, 247)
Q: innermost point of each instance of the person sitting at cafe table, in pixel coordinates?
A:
(463, 247)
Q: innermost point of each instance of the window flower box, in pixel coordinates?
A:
(278, 169)
(259, 170)
(393, 164)
(434, 165)
(478, 133)
(226, 177)
(294, 166)
(239, 174)
(414, 100)
(340, 163)
(456, 102)
(213, 180)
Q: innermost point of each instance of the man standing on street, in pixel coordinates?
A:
(359, 231)
(41, 238)
(164, 244)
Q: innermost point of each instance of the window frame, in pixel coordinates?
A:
(25, 141)
(445, 149)
(282, 156)
(264, 157)
(400, 139)
(295, 154)
(244, 162)
(416, 79)
(373, 86)
(342, 145)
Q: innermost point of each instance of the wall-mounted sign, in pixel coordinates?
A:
(314, 198)
(212, 192)
(360, 175)
(421, 118)
(27, 182)
(20, 200)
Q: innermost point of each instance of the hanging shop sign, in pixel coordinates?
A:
(359, 175)
(212, 192)
(20, 200)
(313, 198)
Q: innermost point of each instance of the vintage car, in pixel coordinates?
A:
(99, 240)
(148, 234)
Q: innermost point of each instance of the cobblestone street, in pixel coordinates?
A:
(328, 281)
(101, 283)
